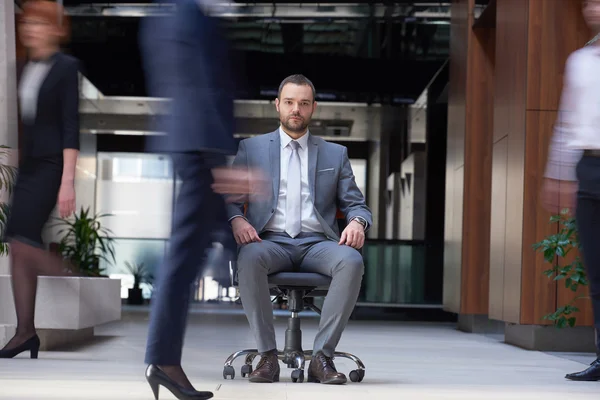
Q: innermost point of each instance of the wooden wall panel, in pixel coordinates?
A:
(509, 122)
(556, 28)
(538, 297)
(478, 172)
(533, 38)
(459, 44)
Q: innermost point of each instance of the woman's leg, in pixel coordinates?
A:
(27, 263)
(24, 285)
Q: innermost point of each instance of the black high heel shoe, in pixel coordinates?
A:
(32, 344)
(157, 378)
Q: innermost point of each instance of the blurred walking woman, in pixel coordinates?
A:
(48, 104)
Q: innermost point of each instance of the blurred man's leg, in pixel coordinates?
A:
(588, 225)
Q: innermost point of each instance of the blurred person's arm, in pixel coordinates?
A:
(70, 139)
(570, 132)
(235, 206)
(250, 181)
(571, 123)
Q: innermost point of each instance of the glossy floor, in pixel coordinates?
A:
(403, 361)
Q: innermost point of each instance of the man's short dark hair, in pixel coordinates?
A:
(297, 79)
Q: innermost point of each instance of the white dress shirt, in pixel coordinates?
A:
(310, 223)
(32, 79)
(578, 125)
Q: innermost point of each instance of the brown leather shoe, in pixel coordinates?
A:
(322, 370)
(267, 370)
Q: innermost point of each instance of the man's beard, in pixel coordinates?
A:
(297, 126)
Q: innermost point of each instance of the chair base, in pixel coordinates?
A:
(293, 359)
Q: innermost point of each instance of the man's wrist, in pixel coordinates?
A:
(361, 221)
(235, 217)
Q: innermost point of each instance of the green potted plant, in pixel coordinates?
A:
(141, 274)
(85, 242)
(8, 175)
(555, 248)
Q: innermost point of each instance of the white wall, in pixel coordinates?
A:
(412, 210)
(140, 200)
(8, 92)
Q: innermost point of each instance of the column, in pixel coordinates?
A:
(469, 168)
(8, 93)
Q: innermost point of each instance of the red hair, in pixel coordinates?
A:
(51, 12)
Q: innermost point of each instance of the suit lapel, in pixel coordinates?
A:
(275, 162)
(313, 154)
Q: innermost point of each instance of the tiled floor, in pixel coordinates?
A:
(403, 361)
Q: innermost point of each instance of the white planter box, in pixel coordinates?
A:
(6, 333)
(67, 303)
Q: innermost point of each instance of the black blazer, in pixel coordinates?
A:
(56, 126)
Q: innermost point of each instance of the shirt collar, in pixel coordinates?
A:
(285, 139)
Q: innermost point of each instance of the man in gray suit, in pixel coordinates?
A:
(297, 227)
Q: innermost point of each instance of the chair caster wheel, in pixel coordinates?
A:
(357, 375)
(228, 371)
(246, 370)
(297, 376)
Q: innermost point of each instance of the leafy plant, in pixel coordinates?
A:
(555, 248)
(85, 242)
(140, 273)
(8, 175)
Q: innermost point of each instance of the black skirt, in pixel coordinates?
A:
(34, 197)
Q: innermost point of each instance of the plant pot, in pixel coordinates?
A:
(135, 297)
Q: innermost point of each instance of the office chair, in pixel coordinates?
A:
(293, 287)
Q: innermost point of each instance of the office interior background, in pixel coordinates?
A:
(355, 55)
(446, 109)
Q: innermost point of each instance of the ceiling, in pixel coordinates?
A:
(353, 51)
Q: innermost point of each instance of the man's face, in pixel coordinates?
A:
(591, 13)
(295, 106)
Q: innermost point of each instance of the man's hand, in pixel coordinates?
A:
(353, 235)
(243, 232)
(557, 195)
(238, 182)
(66, 199)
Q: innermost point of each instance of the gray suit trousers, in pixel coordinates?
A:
(308, 252)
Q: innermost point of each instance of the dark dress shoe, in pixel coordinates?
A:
(267, 370)
(322, 370)
(590, 374)
(156, 378)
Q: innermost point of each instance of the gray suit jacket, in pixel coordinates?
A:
(330, 178)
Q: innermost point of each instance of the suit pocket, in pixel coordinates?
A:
(326, 171)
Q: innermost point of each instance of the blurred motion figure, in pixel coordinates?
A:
(186, 58)
(572, 176)
(49, 111)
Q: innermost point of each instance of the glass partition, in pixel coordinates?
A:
(148, 251)
(394, 273)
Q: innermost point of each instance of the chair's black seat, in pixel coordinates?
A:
(300, 279)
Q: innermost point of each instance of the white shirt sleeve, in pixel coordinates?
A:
(573, 114)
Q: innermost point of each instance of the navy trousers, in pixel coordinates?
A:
(196, 218)
(588, 225)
